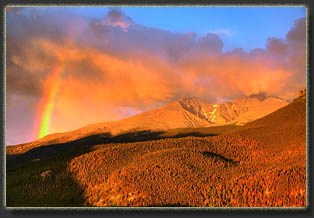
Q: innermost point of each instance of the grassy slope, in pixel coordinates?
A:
(281, 128)
(26, 187)
(259, 164)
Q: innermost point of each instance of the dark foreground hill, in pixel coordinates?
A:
(262, 163)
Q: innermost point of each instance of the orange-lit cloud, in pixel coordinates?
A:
(115, 68)
(96, 84)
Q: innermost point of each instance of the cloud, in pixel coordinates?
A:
(115, 18)
(278, 70)
(209, 43)
(290, 54)
(223, 32)
(115, 67)
(138, 39)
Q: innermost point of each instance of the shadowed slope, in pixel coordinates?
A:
(55, 149)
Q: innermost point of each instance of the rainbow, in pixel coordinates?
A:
(45, 106)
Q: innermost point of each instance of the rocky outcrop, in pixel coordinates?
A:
(301, 93)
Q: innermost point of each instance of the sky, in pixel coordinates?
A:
(67, 67)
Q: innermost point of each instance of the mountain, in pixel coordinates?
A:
(241, 110)
(185, 113)
(259, 164)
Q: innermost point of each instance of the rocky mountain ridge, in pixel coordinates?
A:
(188, 112)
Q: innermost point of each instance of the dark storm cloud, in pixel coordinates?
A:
(27, 62)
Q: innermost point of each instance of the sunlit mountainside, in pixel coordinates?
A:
(185, 113)
(256, 164)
